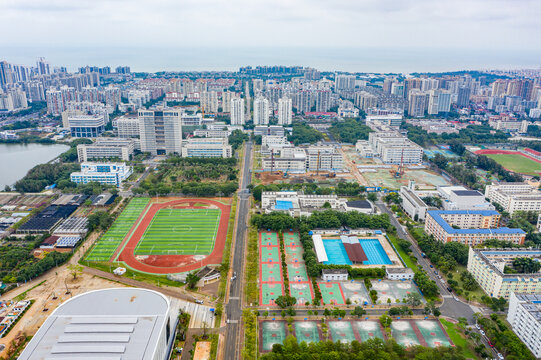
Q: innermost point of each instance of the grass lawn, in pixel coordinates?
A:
(458, 339)
(517, 163)
(474, 295)
(180, 231)
(403, 255)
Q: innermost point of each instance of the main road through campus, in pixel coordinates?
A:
(234, 306)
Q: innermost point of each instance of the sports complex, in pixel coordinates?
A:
(166, 235)
(523, 161)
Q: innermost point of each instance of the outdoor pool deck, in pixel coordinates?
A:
(376, 248)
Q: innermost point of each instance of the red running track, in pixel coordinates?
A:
(169, 264)
(505, 152)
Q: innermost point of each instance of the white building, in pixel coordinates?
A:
(118, 323)
(103, 173)
(212, 133)
(127, 126)
(285, 111)
(460, 198)
(237, 111)
(399, 273)
(86, 125)
(296, 203)
(524, 316)
(261, 111)
(412, 204)
(418, 103)
(514, 196)
(393, 148)
(394, 120)
(160, 131)
(277, 130)
(209, 101)
(334, 274)
(206, 147)
(104, 148)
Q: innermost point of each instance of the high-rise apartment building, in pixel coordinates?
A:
(344, 83)
(304, 101)
(463, 98)
(237, 111)
(44, 68)
(160, 131)
(261, 111)
(364, 100)
(226, 100)
(285, 113)
(209, 101)
(6, 74)
(418, 103)
(323, 100)
(439, 101)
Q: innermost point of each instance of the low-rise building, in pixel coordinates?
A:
(487, 267)
(394, 148)
(269, 130)
(524, 316)
(296, 203)
(206, 147)
(302, 159)
(212, 133)
(412, 203)
(86, 125)
(399, 273)
(104, 173)
(470, 227)
(514, 196)
(106, 148)
(460, 198)
(334, 274)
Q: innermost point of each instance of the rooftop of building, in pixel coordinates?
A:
(391, 270)
(110, 324)
(334, 271)
(359, 204)
(467, 193)
(531, 303)
(492, 256)
(437, 216)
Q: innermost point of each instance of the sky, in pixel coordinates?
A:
(495, 32)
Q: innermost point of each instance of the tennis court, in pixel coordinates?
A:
(272, 332)
(296, 272)
(331, 293)
(271, 272)
(180, 232)
(269, 293)
(306, 331)
(109, 242)
(268, 238)
(368, 329)
(432, 333)
(403, 333)
(341, 331)
(301, 291)
(356, 293)
(389, 289)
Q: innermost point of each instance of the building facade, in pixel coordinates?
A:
(207, 147)
(524, 316)
(160, 131)
(105, 148)
(86, 126)
(103, 173)
(514, 196)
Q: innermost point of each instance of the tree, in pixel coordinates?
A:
(191, 280)
(413, 299)
(372, 197)
(385, 320)
(285, 301)
(326, 205)
(75, 270)
(358, 311)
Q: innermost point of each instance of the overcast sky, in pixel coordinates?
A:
(467, 25)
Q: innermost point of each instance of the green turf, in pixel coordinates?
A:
(517, 163)
(457, 338)
(109, 242)
(180, 232)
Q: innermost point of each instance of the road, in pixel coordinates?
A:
(450, 307)
(234, 305)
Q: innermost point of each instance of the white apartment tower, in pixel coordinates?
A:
(160, 131)
(285, 114)
(209, 101)
(261, 111)
(237, 111)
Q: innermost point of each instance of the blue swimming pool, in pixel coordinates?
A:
(337, 255)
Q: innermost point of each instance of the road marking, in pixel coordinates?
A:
(234, 298)
(233, 321)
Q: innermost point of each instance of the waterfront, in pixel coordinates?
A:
(17, 159)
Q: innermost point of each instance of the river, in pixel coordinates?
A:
(17, 159)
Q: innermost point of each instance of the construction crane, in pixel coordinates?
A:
(400, 170)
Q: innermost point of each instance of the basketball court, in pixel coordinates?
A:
(341, 331)
(432, 333)
(302, 292)
(271, 272)
(272, 332)
(270, 269)
(368, 329)
(331, 293)
(404, 333)
(306, 331)
(390, 289)
(356, 293)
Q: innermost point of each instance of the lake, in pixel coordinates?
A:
(17, 159)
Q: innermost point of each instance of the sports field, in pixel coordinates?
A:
(180, 232)
(517, 163)
(109, 242)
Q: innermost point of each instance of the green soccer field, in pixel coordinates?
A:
(108, 243)
(180, 232)
(517, 163)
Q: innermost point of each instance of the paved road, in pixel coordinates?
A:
(450, 306)
(234, 306)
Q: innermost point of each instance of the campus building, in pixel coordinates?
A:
(524, 316)
(412, 203)
(514, 196)
(104, 173)
(460, 198)
(127, 126)
(106, 148)
(119, 323)
(84, 126)
(206, 147)
(160, 131)
(303, 159)
(470, 227)
(394, 148)
(296, 203)
(487, 267)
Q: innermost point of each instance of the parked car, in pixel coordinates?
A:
(482, 332)
(199, 301)
(477, 326)
(449, 289)
(431, 265)
(500, 356)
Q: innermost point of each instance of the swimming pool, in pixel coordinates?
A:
(337, 255)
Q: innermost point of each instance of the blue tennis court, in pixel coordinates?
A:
(374, 252)
(336, 253)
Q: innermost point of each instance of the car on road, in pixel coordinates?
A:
(477, 326)
(449, 289)
(500, 356)
(482, 332)
(199, 302)
(431, 265)
(490, 343)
